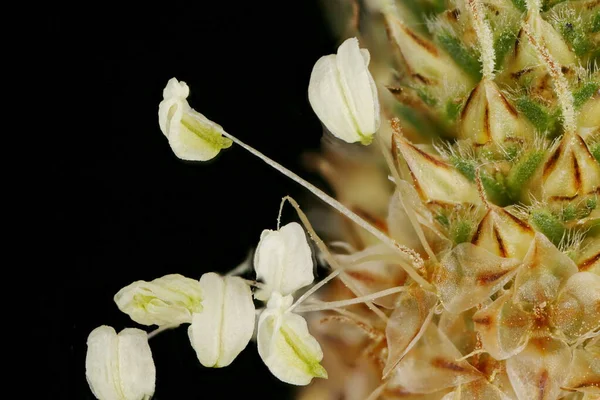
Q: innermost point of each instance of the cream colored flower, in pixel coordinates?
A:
(290, 352)
(283, 261)
(119, 367)
(169, 300)
(343, 94)
(191, 135)
(225, 325)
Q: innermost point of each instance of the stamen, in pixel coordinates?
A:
(343, 210)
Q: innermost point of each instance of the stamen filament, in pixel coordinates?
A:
(321, 306)
(341, 208)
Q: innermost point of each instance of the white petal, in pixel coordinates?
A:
(327, 100)
(358, 86)
(120, 367)
(191, 135)
(169, 300)
(283, 261)
(225, 325)
(290, 352)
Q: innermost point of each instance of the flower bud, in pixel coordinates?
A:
(286, 346)
(225, 326)
(343, 94)
(283, 261)
(170, 300)
(191, 135)
(119, 367)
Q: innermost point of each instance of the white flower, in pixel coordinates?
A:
(119, 367)
(343, 94)
(283, 261)
(286, 346)
(170, 300)
(225, 325)
(191, 135)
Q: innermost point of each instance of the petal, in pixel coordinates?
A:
(469, 274)
(432, 365)
(504, 327)
(120, 367)
(407, 323)
(169, 300)
(226, 324)
(577, 308)
(285, 345)
(328, 102)
(283, 261)
(358, 86)
(545, 269)
(138, 373)
(538, 372)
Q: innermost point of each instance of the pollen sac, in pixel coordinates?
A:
(343, 94)
(504, 327)
(226, 324)
(538, 372)
(469, 274)
(569, 171)
(503, 234)
(285, 345)
(545, 270)
(407, 323)
(433, 355)
(191, 135)
(119, 367)
(283, 261)
(434, 179)
(584, 371)
(576, 310)
(169, 300)
(489, 116)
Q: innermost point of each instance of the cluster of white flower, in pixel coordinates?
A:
(220, 309)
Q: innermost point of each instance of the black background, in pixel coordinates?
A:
(122, 207)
